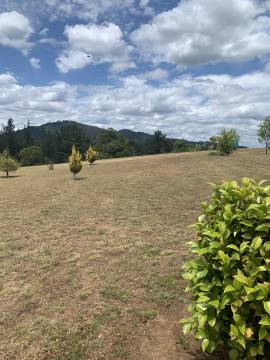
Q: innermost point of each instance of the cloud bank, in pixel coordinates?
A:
(186, 107)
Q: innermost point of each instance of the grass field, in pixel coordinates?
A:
(90, 269)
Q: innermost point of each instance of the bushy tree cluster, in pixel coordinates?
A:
(157, 144)
(111, 144)
(226, 142)
(31, 155)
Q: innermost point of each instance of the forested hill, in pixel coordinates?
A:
(37, 132)
(88, 130)
(52, 142)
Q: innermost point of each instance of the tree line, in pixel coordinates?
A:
(55, 146)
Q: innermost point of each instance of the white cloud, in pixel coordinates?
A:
(88, 10)
(35, 63)
(147, 10)
(44, 32)
(15, 31)
(72, 60)
(157, 74)
(35, 102)
(186, 107)
(198, 32)
(95, 44)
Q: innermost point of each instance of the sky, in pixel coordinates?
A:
(188, 68)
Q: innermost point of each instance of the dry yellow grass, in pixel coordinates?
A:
(90, 269)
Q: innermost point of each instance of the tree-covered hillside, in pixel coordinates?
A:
(52, 142)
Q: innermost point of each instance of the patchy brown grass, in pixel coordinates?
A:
(91, 269)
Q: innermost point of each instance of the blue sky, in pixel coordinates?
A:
(189, 68)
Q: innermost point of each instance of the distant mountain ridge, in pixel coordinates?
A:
(91, 131)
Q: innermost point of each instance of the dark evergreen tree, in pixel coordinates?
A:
(28, 140)
(9, 137)
(157, 144)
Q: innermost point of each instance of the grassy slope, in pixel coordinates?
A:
(90, 269)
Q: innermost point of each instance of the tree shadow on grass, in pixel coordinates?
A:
(10, 176)
(81, 178)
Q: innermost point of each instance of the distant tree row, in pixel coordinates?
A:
(55, 146)
(9, 164)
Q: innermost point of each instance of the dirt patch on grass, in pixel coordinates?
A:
(91, 269)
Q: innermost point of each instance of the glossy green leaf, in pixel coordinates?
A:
(265, 320)
(202, 320)
(205, 343)
(187, 328)
(203, 299)
(262, 333)
(266, 305)
(214, 303)
(234, 247)
(240, 277)
(202, 274)
(257, 242)
(229, 288)
(243, 247)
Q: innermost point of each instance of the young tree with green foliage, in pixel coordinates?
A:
(227, 141)
(31, 155)
(91, 155)
(264, 133)
(7, 163)
(75, 162)
(229, 276)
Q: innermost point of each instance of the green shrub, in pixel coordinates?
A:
(229, 278)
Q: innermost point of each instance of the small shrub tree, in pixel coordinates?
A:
(51, 166)
(264, 133)
(91, 155)
(229, 275)
(7, 163)
(75, 162)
